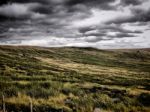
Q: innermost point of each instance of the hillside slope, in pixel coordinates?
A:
(75, 79)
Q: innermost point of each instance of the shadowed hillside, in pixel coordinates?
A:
(75, 79)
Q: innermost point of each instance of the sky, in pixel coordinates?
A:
(103, 24)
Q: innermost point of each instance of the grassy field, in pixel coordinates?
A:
(75, 79)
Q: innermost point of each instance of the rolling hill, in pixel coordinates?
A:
(74, 79)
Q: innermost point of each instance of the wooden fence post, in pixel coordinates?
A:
(3, 103)
(31, 106)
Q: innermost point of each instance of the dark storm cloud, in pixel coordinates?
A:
(85, 29)
(25, 20)
(131, 2)
(49, 6)
(98, 33)
(119, 28)
(54, 10)
(138, 15)
(125, 35)
(101, 4)
(122, 35)
(57, 8)
(108, 28)
(68, 6)
(20, 11)
(96, 37)
(88, 2)
(44, 9)
(75, 2)
(2, 2)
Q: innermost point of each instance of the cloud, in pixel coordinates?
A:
(2, 2)
(121, 35)
(20, 11)
(43, 9)
(14, 10)
(104, 29)
(97, 34)
(102, 4)
(92, 39)
(72, 22)
(131, 2)
(138, 15)
(85, 29)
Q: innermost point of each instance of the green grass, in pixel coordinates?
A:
(75, 79)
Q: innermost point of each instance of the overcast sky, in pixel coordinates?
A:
(84, 23)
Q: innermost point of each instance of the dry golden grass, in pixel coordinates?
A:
(84, 68)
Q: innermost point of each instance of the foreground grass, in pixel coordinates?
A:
(75, 79)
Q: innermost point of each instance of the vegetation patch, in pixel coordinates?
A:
(74, 79)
